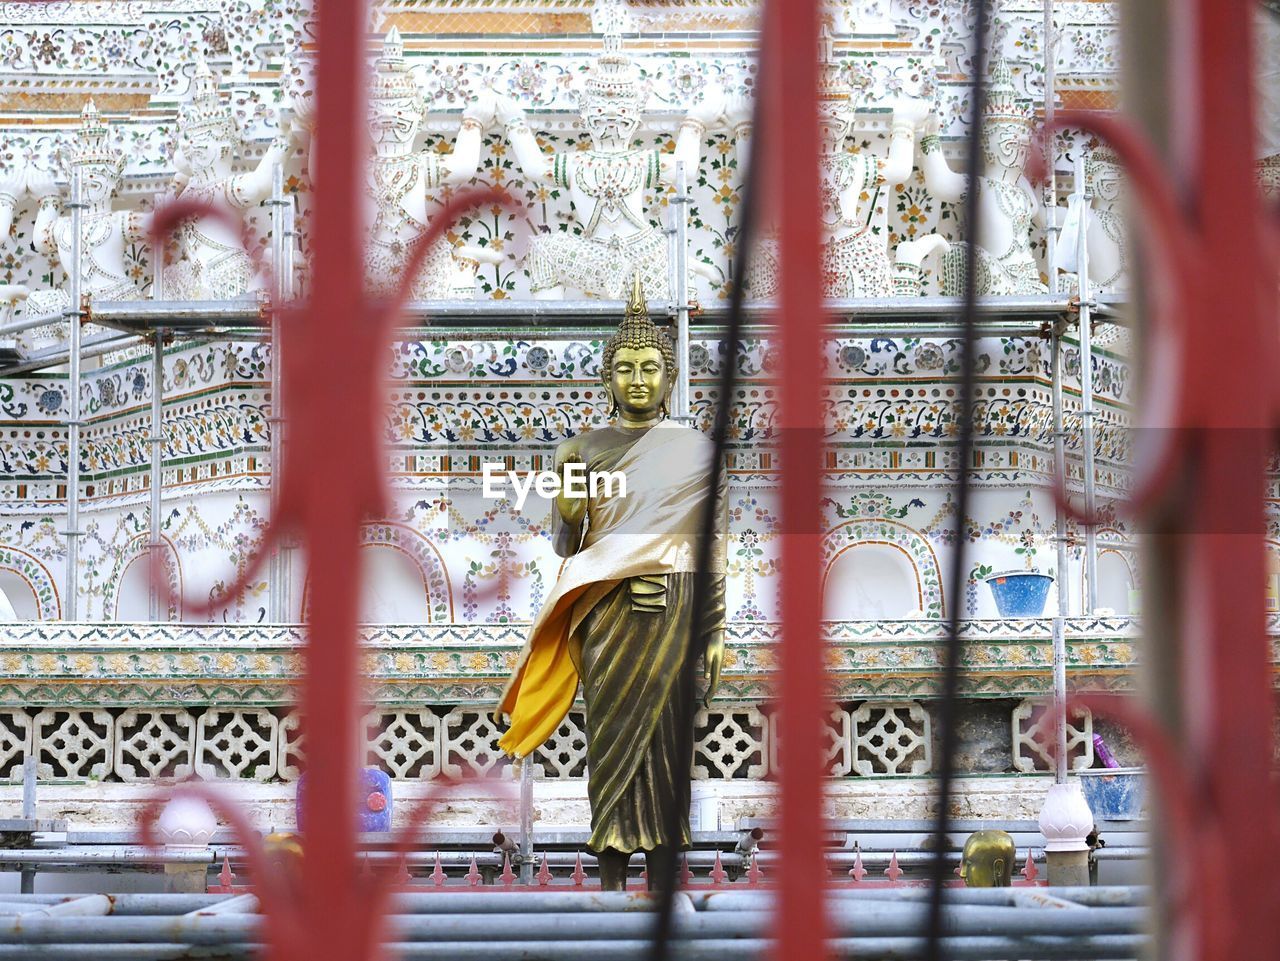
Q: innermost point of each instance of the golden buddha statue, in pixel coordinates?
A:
(987, 860)
(621, 614)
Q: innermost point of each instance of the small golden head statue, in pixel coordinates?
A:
(642, 348)
(988, 858)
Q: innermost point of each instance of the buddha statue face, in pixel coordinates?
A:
(1006, 144)
(639, 382)
(987, 861)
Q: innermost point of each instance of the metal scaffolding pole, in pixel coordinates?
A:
(71, 605)
(275, 573)
(681, 294)
(157, 424)
(157, 464)
(1090, 600)
(286, 298)
(1064, 595)
(1051, 182)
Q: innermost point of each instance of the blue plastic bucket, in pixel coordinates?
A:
(1114, 793)
(1020, 593)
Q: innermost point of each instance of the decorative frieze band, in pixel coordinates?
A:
(160, 665)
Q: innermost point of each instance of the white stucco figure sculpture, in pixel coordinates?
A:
(1105, 239)
(105, 233)
(213, 264)
(402, 183)
(607, 183)
(1009, 207)
(1108, 259)
(855, 256)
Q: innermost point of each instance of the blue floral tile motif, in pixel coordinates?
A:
(50, 401)
(1020, 593)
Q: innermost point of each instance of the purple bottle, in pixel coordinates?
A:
(1103, 753)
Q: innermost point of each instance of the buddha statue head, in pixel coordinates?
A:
(639, 365)
(396, 107)
(96, 159)
(1103, 175)
(987, 860)
(612, 98)
(206, 131)
(1006, 122)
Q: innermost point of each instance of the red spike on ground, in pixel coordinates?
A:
(893, 872)
(508, 878)
(685, 874)
(365, 870)
(718, 873)
(437, 876)
(473, 874)
(754, 874)
(858, 871)
(544, 873)
(578, 875)
(225, 877)
(403, 875)
(1029, 871)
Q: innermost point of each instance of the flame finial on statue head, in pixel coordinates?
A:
(637, 332)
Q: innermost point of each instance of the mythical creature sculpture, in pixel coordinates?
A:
(105, 233)
(1005, 262)
(621, 614)
(607, 183)
(402, 182)
(214, 264)
(855, 257)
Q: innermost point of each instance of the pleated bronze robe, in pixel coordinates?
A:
(620, 618)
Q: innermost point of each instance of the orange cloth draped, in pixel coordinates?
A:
(653, 529)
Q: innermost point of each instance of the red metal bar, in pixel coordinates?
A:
(790, 68)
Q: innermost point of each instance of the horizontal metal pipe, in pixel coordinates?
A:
(869, 920)
(561, 901)
(126, 952)
(167, 313)
(238, 904)
(29, 323)
(890, 949)
(107, 855)
(90, 348)
(861, 949)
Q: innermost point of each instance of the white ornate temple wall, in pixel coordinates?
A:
(448, 554)
(452, 579)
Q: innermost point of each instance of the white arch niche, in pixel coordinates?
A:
(877, 582)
